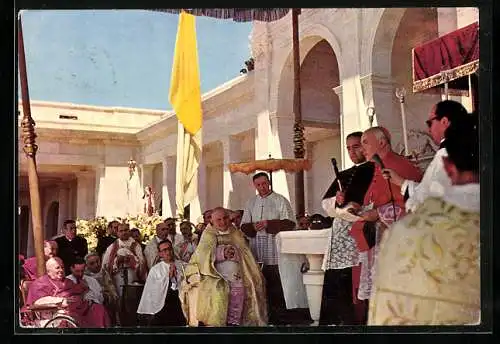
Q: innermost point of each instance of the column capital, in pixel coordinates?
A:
(338, 90)
(85, 174)
(231, 149)
(226, 141)
(147, 167)
(63, 185)
(379, 81)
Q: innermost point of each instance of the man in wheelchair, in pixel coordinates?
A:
(54, 288)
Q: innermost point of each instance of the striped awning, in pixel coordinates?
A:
(236, 14)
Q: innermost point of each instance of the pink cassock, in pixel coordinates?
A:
(85, 313)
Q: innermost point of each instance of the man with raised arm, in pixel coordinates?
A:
(342, 257)
(435, 180)
(428, 267)
(383, 202)
(160, 304)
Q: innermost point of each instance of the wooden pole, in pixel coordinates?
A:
(298, 139)
(30, 148)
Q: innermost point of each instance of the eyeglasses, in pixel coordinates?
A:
(165, 250)
(430, 120)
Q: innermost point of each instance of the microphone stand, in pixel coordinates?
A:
(378, 160)
(392, 199)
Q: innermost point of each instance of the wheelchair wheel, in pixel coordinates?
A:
(61, 321)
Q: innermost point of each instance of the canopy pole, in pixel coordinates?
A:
(298, 138)
(30, 149)
(270, 176)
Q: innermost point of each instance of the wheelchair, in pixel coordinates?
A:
(42, 316)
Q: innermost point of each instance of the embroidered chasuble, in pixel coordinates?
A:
(428, 267)
(213, 304)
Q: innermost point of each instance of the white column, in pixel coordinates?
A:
(72, 199)
(202, 185)
(146, 175)
(85, 195)
(231, 148)
(168, 186)
(264, 142)
(308, 180)
(343, 132)
(64, 210)
(466, 16)
(282, 132)
(447, 20)
(198, 205)
(100, 191)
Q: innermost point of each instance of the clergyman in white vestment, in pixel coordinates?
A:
(160, 298)
(428, 269)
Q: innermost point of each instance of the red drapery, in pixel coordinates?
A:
(447, 59)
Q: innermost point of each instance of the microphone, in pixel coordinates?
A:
(337, 173)
(335, 168)
(378, 161)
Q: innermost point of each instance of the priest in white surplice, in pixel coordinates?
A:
(151, 249)
(264, 216)
(124, 253)
(160, 303)
(435, 180)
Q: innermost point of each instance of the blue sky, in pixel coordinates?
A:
(122, 57)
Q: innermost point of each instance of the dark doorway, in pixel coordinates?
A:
(52, 219)
(24, 224)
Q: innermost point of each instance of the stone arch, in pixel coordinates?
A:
(51, 220)
(309, 35)
(320, 74)
(398, 30)
(382, 40)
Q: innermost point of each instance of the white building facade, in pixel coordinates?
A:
(351, 59)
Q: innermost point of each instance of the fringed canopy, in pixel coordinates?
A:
(271, 165)
(447, 59)
(236, 14)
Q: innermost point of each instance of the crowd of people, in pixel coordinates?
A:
(403, 249)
